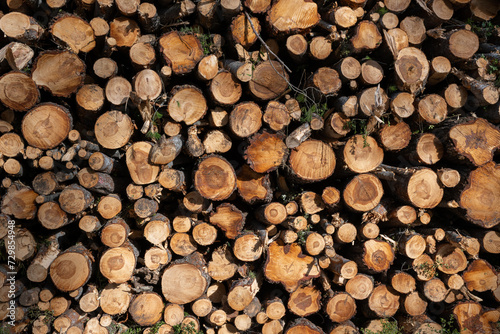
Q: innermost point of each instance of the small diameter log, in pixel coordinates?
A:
(320, 48)
(273, 213)
(245, 119)
(74, 33)
(187, 104)
(305, 301)
(109, 206)
(118, 264)
(282, 256)
(185, 280)
(341, 307)
(229, 218)
(89, 302)
(113, 129)
(72, 268)
(248, 247)
(118, 90)
(63, 81)
(362, 154)
(225, 89)
(223, 264)
(146, 309)
(105, 68)
(137, 157)
(371, 72)
(148, 17)
(157, 229)
(147, 85)
(383, 302)
(217, 141)
(360, 286)
(412, 69)
(51, 216)
(276, 115)
(115, 299)
(99, 182)
(283, 17)
(181, 51)
(478, 198)
(377, 256)
(215, 178)
(89, 224)
(455, 96)
(266, 152)
(18, 91)
(450, 259)
(426, 149)
(142, 56)
(208, 68)
(366, 37)
(296, 46)
(373, 101)
(124, 31)
(439, 70)
(44, 132)
(166, 150)
(115, 232)
(39, 267)
(144, 208)
(432, 109)
(270, 80)
(395, 137)
(312, 161)
(253, 186)
(412, 245)
(242, 293)
(402, 105)
(75, 199)
(363, 192)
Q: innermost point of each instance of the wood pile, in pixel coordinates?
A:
(258, 166)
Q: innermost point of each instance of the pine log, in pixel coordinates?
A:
(266, 152)
(74, 33)
(72, 268)
(146, 309)
(141, 171)
(253, 186)
(117, 264)
(115, 298)
(412, 70)
(118, 90)
(181, 51)
(284, 19)
(115, 232)
(270, 79)
(366, 37)
(302, 325)
(229, 218)
(312, 161)
(187, 104)
(21, 27)
(363, 192)
(125, 31)
(225, 88)
(215, 178)
(18, 91)
(113, 129)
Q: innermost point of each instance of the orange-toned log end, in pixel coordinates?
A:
(229, 218)
(187, 104)
(181, 51)
(481, 198)
(303, 326)
(242, 32)
(18, 91)
(412, 70)
(480, 276)
(367, 37)
(477, 140)
(284, 18)
(363, 192)
(117, 264)
(46, 125)
(269, 80)
(423, 189)
(253, 186)
(468, 316)
(378, 255)
(341, 307)
(362, 154)
(305, 301)
(137, 159)
(215, 178)
(60, 72)
(266, 152)
(312, 161)
(287, 265)
(71, 269)
(74, 33)
(146, 308)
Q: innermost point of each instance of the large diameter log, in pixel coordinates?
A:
(74, 33)
(225, 88)
(245, 119)
(113, 129)
(377, 256)
(284, 18)
(18, 91)
(181, 52)
(287, 265)
(72, 268)
(266, 152)
(412, 70)
(481, 198)
(137, 157)
(185, 280)
(303, 326)
(485, 136)
(46, 125)
(305, 301)
(60, 72)
(480, 276)
(312, 161)
(383, 302)
(215, 178)
(341, 307)
(270, 79)
(421, 188)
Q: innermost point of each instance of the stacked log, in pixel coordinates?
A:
(316, 167)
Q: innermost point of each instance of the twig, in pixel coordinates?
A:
(265, 44)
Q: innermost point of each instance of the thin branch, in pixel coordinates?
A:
(265, 44)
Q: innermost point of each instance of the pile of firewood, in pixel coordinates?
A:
(287, 166)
